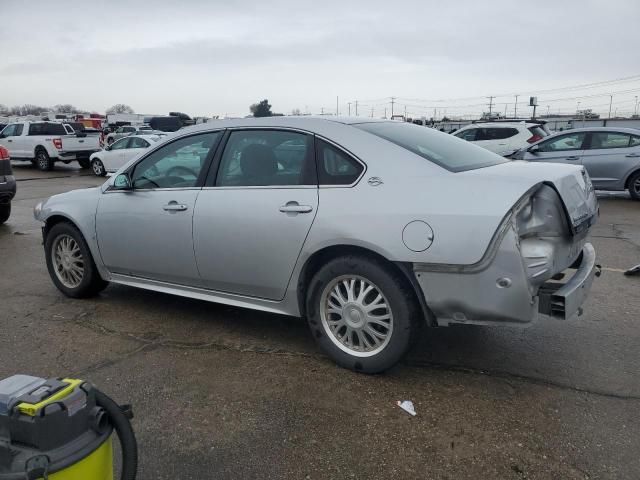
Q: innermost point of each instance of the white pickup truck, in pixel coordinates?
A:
(44, 143)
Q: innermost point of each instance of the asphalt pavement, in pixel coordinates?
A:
(226, 393)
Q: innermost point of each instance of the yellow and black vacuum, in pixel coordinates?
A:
(61, 429)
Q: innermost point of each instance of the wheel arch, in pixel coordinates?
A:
(322, 256)
(55, 219)
(629, 176)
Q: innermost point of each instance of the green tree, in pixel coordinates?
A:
(262, 109)
(65, 108)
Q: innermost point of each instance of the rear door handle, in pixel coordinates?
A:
(294, 207)
(633, 155)
(573, 158)
(174, 207)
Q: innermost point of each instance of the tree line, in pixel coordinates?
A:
(30, 109)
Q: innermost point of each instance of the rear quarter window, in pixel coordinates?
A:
(440, 148)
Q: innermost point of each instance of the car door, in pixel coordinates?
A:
(114, 157)
(10, 140)
(253, 215)
(135, 146)
(609, 157)
(147, 231)
(565, 148)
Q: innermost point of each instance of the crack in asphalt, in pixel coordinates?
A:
(152, 340)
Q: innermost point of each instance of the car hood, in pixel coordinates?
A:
(572, 183)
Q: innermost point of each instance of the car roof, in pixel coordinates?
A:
(503, 124)
(301, 121)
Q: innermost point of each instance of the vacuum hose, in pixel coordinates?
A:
(119, 417)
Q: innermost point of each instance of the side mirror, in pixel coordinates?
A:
(108, 147)
(534, 149)
(122, 182)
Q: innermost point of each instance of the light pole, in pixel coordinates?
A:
(635, 110)
(547, 110)
(349, 104)
(610, 103)
(515, 108)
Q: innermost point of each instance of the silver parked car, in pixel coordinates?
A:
(369, 229)
(610, 155)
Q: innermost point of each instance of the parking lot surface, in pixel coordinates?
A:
(221, 392)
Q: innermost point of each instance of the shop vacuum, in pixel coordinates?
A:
(61, 429)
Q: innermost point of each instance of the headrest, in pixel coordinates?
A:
(258, 161)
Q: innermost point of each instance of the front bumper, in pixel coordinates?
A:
(563, 300)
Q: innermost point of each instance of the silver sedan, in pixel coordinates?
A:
(371, 230)
(610, 155)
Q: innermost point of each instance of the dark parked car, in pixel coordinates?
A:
(166, 124)
(7, 185)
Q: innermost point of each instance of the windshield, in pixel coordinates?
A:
(440, 148)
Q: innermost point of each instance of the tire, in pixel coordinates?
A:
(43, 162)
(81, 285)
(634, 185)
(84, 163)
(368, 352)
(5, 212)
(98, 167)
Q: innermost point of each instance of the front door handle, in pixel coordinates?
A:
(295, 207)
(573, 158)
(174, 207)
(9, 140)
(633, 155)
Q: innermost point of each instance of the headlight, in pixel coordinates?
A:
(36, 210)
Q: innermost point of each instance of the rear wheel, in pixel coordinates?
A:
(98, 167)
(5, 212)
(362, 314)
(70, 264)
(634, 186)
(84, 163)
(43, 162)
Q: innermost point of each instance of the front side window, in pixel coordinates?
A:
(176, 165)
(266, 158)
(334, 166)
(440, 148)
(635, 141)
(468, 135)
(601, 140)
(120, 144)
(9, 131)
(571, 141)
(19, 128)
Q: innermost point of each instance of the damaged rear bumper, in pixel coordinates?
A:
(563, 300)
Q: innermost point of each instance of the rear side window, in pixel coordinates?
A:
(47, 129)
(600, 140)
(495, 133)
(9, 131)
(137, 142)
(336, 167)
(19, 129)
(635, 141)
(261, 158)
(440, 148)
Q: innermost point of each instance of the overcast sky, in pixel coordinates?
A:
(217, 57)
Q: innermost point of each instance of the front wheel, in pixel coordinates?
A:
(634, 186)
(98, 167)
(362, 313)
(5, 212)
(70, 264)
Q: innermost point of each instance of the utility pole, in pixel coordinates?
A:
(321, 110)
(356, 108)
(385, 112)
(393, 99)
(337, 107)
(610, 103)
(490, 104)
(548, 110)
(635, 110)
(505, 109)
(405, 113)
(349, 104)
(515, 108)
(371, 112)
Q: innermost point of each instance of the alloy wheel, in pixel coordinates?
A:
(97, 167)
(356, 315)
(68, 262)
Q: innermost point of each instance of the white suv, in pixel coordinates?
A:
(503, 138)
